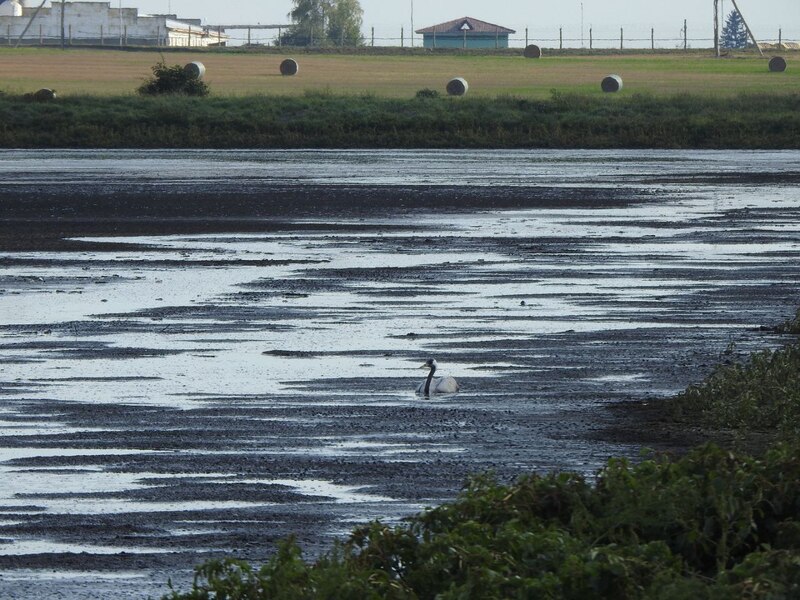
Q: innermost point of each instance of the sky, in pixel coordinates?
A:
(542, 17)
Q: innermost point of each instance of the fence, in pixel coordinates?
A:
(562, 38)
(590, 38)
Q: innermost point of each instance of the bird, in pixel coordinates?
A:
(436, 385)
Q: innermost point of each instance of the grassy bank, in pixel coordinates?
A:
(326, 120)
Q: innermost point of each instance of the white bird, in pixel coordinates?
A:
(436, 385)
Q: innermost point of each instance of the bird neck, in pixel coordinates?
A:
(428, 381)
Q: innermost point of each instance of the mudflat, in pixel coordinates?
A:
(201, 354)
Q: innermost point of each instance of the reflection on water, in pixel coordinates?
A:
(536, 311)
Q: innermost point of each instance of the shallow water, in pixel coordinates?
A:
(266, 378)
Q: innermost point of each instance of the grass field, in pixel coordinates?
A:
(111, 72)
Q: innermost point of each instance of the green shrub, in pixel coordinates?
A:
(427, 93)
(762, 393)
(791, 326)
(709, 525)
(173, 80)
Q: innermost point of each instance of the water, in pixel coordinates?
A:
(234, 385)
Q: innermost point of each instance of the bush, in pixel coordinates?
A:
(709, 525)
(762, 394)
(791, 326)
(173, 80)
(427, 93)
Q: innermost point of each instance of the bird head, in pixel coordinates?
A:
(429, 364)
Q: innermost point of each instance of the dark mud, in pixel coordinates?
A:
(554, 335)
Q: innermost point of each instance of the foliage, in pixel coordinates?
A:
(344, 23)
(173, 80)
(710, 525)
(325, 22)
(734, 33)
(760, 394)
(329, 120)
(427, 93)
(791, 326)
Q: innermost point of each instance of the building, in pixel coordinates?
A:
(465, 32)
(97, 23)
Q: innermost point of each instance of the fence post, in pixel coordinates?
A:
(41, 37)
(402, 37)
(70, 34)
(591, 39)
(373, 37)
(434, 38)
(8, 34)
(652, 38)
(526, 37)
(780, 38)
(621, 39)
(496, 39)
(685, 34)
(126, 35)
(102, 38)
(560, 38)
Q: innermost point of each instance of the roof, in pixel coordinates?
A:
(468, 24)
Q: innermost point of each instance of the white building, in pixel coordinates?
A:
(98, 23)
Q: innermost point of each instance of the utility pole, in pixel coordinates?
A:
(412, 23)
(716, 28)
(63, 42)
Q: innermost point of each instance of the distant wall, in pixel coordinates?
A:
(474, 40)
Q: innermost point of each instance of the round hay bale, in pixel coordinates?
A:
(289, 67)
(777, 64)
(195, 69)
(457, 86)
(44, 95)
(611, 84)
(533, 51)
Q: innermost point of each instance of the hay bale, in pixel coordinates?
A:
(44, 95)
(777, 64)
(289, 67)
(611, 84)
(533, 51)
(457, 86)
(195, 69)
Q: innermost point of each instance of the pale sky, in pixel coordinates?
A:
(543, 18)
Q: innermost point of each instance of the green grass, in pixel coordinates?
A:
(711, 525)
(399, 75)
(323, 119)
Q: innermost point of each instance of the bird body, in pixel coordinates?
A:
(436, 385)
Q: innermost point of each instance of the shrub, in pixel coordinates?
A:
(427, 93)
(173, 80)
(791, 326)
(709, 525)
(760, 394)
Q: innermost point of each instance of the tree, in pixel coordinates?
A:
(344, 23)
(734, 33)
(325, 22)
